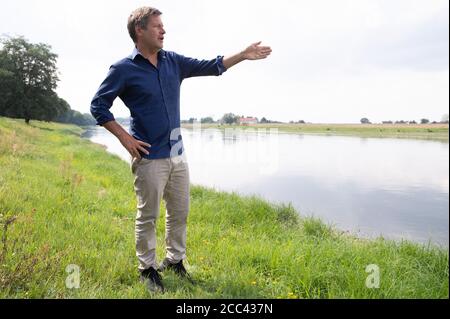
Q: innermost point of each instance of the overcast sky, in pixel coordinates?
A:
(332, 61)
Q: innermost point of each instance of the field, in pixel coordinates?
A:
(414, 131)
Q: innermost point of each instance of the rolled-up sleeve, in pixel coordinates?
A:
(190, 67)
(111, 87)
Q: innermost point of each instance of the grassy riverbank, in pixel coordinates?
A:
(414, 131)
(64, 200)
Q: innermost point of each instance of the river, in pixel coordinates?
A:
(397, 188)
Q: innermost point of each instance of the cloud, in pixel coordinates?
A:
(423, 46)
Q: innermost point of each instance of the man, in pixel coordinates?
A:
(148, 82)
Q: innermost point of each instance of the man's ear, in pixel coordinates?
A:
(138, 30)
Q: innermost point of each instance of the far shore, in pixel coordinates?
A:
(430, 131)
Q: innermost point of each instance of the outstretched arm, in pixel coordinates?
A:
(253, 52)
(190, 67)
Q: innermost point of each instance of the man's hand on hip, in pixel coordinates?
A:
(132, 145)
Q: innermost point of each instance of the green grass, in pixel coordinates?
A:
(411, 131)
(65, 200)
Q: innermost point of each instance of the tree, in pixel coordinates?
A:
(207, 120)
(424, 121)
(75, 117)
(27, 80)
(365, 121)
(230, 118)
(10, 87)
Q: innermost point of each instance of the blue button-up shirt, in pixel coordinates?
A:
(152, 95)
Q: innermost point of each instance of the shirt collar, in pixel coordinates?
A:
(161, 54)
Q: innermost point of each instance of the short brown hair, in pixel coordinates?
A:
(139, 18)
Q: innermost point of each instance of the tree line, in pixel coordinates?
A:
(28, 80)
(231, 118)
(228, 118)
(444, 120)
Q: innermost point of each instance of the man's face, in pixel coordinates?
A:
(153, 36)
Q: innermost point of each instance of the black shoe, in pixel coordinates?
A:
(153, 279)
(178, 268)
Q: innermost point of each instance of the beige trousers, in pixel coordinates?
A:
(153, 180)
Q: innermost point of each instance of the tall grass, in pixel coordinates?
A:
(66, 201)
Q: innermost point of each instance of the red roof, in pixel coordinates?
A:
(248, 119)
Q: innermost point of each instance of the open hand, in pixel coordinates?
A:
(257, 52)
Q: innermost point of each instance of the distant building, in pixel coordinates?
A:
(247, 120)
